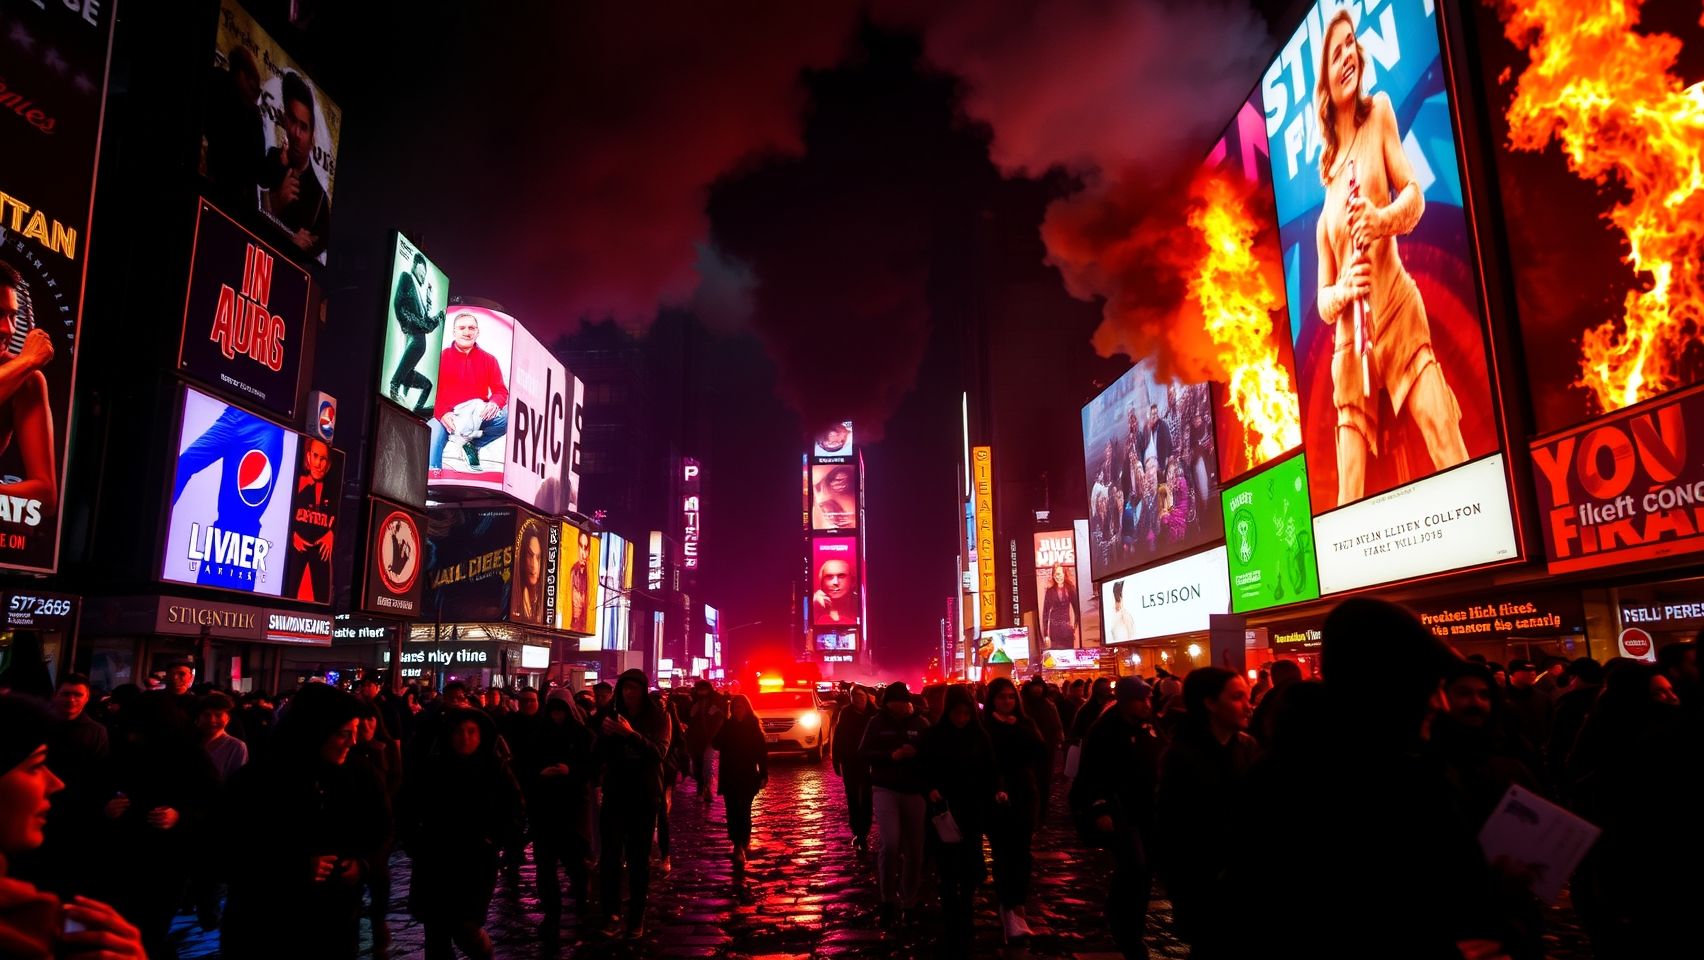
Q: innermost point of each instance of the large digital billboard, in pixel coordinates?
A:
(835, 443)
(540, 426)
(1172, 598)
(316, 496)
(400, 448)
(470, 561)
(1152, 470)
(244, 316)
(227, 528)
(414, 328)
(396, 552)
(579, 593)
(1379, 263)
(269, 135)
(836, 600)
(470, 416)
(1056, 603)
(1269, 538)
(53, 89)
(531, 587)
(834, 497)
(1088, 600)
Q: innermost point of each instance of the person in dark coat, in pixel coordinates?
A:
(1041, 711)
(676, 761)
(964, 780)
(632, 744)
(898, 782)
(1018, 753)
(1112, 802)
(316, 827)
(459, 809)
(854, 773)
(378, 759)
(744, 771)
(1099, 698)
(556, 771)
(704, 718)
(1283, 673)
(81, 751)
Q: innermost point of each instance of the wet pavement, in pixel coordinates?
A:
(807, 893)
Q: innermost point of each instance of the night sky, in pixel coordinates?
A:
(839, 196)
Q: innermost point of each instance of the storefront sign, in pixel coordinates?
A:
(1667, 616)
(350, 630)
(191, 618)
(34, 609)
(982, 473)
(1445, 522)
(535, 658)
(1624, 487)
(451, 655)
(1636, 643)
(1302, 639)
(1070, 660)
(1169, 599)
(1544, 613)
(307, 629)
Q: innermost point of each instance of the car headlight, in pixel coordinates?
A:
(810, 721)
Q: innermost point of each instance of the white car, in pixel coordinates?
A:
(793, 721)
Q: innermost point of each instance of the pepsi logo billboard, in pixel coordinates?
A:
(395, 557)
(244, 316)
(229, 517)
(322, 416)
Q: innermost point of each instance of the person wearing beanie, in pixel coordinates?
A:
(1112, 802)
(556, 773)
(35, 925)
(633, 737)
(891, 748)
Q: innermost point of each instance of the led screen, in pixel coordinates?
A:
(414, 328)
(834, 497)
(470, 416)
(835, 593)
(1269, 538)
(1056, 602)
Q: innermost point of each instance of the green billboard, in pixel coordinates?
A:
(1269, 536)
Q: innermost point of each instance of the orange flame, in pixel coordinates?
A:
(1237, 299)
(1607, 95)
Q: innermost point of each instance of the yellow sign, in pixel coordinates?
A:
(982, 489)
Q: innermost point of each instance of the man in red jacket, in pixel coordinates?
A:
(473, 402)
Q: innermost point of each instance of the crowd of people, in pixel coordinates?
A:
(1339, 813)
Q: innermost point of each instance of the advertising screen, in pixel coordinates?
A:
(579, 599)
(842, 642)
(395, 555)
(1379, 264)
(54, 92)
(691, 513)
(835, 443)
(1625, 487)
(1056, 603)
(1088, 600)
(1594, 120)
(982, 543)
(1009, 645)
(400, 445)
(540, 425)
(414, 328)
(835, 595)
(1152, 470)
(470, 416)
(226, 527)
(527, 593)
(244, 316)
(269, 136)
(470, 558)
(1069, 660)
(1169, 599)
(834, 497)
(316, 495)
(1269, 538)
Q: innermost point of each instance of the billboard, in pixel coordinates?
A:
(1379, 263)
(982, 552)
(244, 316)
(414, 328)
(400, 448)
(1172, 598)
(581, 594)
(470, 559)
(1269, 538)
(226, 527)
(528, 591)
(395, 556)
(1056, 601)
(845, 641)
(834, 497)
(54, 93)
(1088, 600)
(690, 513)
(835, 443)
(470, 416)
(1008, 645)
(269, 135)
(316, 496)
(1152, 468)
(836, 599)
(540, 426)
(1624, 487)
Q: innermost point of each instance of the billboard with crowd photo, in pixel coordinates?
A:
(418, 296)
(1152, 470)
(269, 135)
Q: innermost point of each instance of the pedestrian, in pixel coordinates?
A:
(378, 760)
(964, 782)
(676, 760)
(212, 718)
(1583, 681)
(1100, 696)
(1678, 662)
(1530, 710)
(35, 925)
(1039, 708)
(459, 809)
(850, 766)
(556, 772)
(890, 748)
(632, 744)
(1112, 802)
(704, 719)
(1283, 673)
(317, 829)
(744, 771)
(1018, 753)
(80, 748)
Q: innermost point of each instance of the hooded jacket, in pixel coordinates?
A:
(557, 803)
(959, 762)
(632, 763)
(882, 737)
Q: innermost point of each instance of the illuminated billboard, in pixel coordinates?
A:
(579, 592)
(835, 443)
(1088, 600)
(54, 93)
(396, 551)
(1269, 538)
(414, 328)
(1152, 469)
(470, 561)
(982, 555)
(690, 514)
(834, 497)
(400, 448)
(531, 585)
(1172, 598)
(470, 416)
(269, 135)
(836, 598)
(540, 426)
(316, 496)
(1056, 602)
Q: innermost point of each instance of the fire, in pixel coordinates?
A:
(1237, 299)
(1607, 96)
